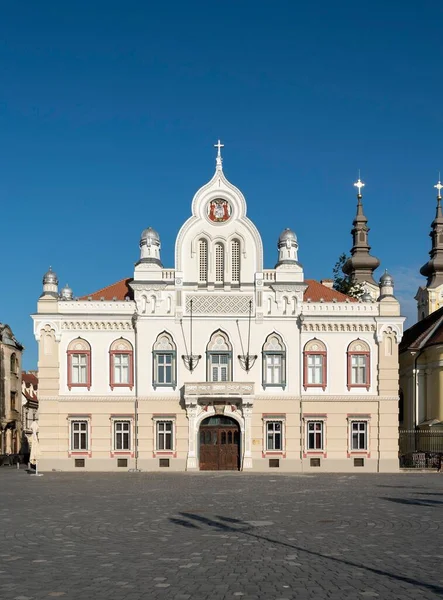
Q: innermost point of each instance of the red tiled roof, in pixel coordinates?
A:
(118, 290)
(30, 378)
(316, 291)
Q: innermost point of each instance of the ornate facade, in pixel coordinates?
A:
(219, 362)
(10, 392)
(421, 350)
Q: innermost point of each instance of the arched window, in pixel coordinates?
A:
(235, 261)
(219, 357)
(13, 361)
(164, 362)
(202, 261)
(219, 263)
(79, 364)
(359, 373)
(274, 362)
(121, 364)
(314, 365)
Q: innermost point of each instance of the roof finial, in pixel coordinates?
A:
(219, 159)
(439, 187)
(359, 184)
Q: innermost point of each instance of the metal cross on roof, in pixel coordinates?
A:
(359, 184)
(439, 187)
(219, 146)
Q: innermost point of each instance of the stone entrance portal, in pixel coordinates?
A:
(219, 444)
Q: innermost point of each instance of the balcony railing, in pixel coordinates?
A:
(219, 388)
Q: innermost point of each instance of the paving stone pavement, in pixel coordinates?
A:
(242, 536)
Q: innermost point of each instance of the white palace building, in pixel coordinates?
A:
(218, 363)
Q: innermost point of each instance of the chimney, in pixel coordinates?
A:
(329, 283)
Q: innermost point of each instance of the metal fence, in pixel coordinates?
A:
(421, 449)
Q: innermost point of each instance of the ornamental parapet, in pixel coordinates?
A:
(220, 389)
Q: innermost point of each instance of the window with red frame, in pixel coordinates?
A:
(121, 364)
(359, 374)
(314, 371)
(79, 364)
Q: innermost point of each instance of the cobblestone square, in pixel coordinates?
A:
(220, 535)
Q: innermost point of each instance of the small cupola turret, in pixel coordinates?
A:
(287, 248)
(150, 247)
(50, 283)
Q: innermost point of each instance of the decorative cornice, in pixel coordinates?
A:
(176, 398)
(98, 325)
(339, 327)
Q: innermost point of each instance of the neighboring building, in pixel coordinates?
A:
(10, 392)
(29, 400)
(421, 350)
(218, 362)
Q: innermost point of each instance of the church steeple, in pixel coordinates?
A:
(361, 265)
(433, 269)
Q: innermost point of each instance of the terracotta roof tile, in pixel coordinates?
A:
(316, 291)
(30, 378)
(118, 290)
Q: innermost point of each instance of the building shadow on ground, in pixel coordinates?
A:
(229, 525)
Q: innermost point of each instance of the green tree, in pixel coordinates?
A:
(344, 283)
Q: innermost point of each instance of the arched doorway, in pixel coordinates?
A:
(219, 444)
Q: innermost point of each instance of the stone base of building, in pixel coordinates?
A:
(259, 465)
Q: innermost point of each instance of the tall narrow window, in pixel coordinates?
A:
(219, 263)
(121, 364)
(274, 362)
(79, 435)
(79, 364)
(219, 358)
(359, 374)
(235, 264)
(274, 440)
(314, 369)
(164, 354)
(203, 261)
(122, 435)
(359, 435)
(164, 435)
(315, 435)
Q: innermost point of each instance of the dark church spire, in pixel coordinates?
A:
(433, 269)
(361, 265)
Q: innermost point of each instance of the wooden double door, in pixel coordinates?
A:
(219, 444)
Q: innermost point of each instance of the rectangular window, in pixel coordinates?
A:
(13, 401)
(164, 435)
(274, 439)
(359, 435)
(122, 435)
(121, 368)
(79, 368)
(273, 368)
(315, 435)
(358, 369)
(79, 435)
(315, 369)
(220, 367)
(164, 368)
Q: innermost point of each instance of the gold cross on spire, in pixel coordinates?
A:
(359, 184)
(439, 187)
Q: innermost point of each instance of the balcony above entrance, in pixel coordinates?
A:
(226, 389)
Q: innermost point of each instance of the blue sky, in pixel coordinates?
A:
(109, 112)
